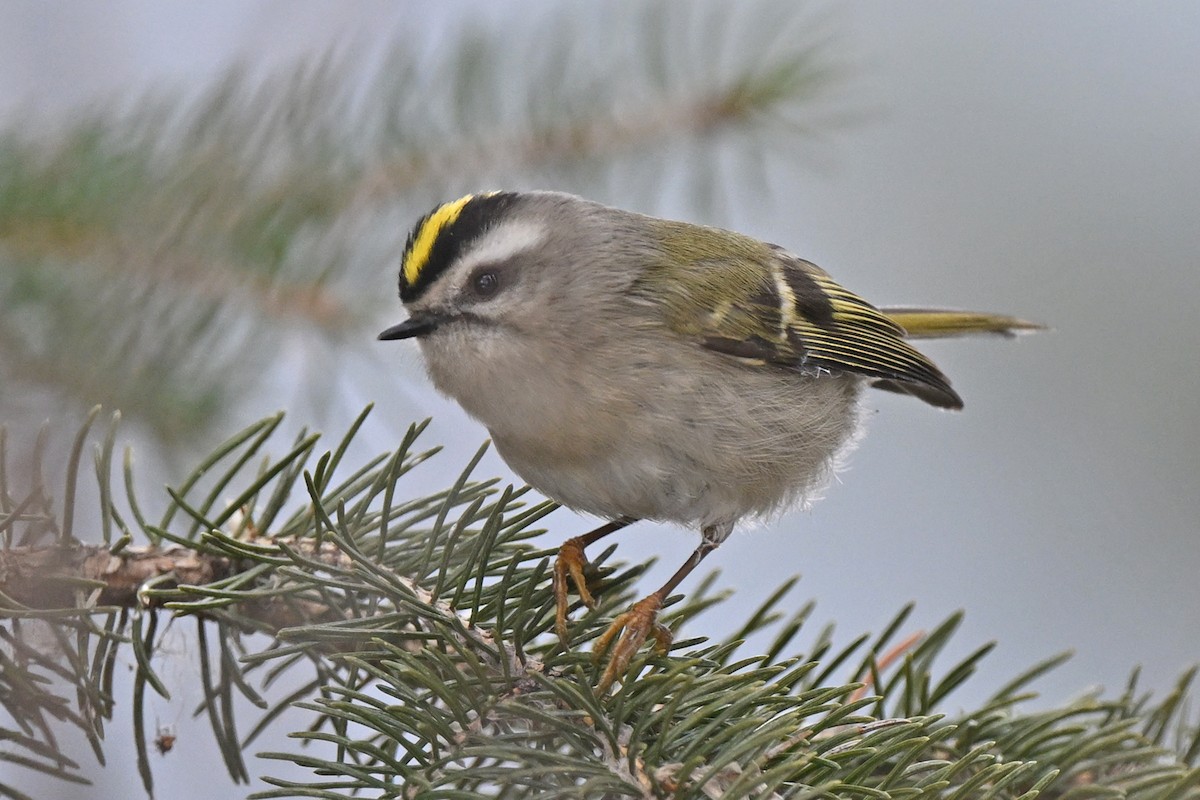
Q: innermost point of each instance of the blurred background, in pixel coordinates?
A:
(202, 206)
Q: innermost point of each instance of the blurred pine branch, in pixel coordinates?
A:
(157, 254)
(417, 634)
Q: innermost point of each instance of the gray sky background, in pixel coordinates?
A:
(1028, 157)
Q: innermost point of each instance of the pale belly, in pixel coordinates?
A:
(713, 460)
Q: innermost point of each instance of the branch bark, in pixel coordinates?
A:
(45, 578)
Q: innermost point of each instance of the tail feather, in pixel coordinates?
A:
(931, 323)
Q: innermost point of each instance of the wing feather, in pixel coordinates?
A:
(771, 309)
(857, 337)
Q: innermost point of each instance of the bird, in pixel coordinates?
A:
(637, 368)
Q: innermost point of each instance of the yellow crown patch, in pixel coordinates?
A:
(417, 256)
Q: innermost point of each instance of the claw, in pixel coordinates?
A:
(640, 621)
(568, 569)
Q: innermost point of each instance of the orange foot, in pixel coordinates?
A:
(640, 621)
(568, 569)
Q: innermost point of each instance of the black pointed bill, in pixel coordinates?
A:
(410, 328)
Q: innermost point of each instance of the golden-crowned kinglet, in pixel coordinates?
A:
(638, 368)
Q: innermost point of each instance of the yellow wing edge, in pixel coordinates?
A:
(933, 323)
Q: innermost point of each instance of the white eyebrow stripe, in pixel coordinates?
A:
(502, 242)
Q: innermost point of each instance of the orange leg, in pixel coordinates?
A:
(569, 569)
(641, 620)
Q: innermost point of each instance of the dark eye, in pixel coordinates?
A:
(485, 283)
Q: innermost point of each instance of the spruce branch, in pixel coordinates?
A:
(426, 627)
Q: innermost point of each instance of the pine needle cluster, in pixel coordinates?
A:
(422, 632)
